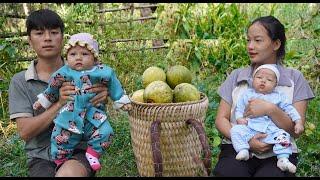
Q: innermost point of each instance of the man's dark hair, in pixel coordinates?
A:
(44, 19)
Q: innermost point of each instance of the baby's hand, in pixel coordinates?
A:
(37, 105)
(242, 121)
(298, 128)
(126, 107)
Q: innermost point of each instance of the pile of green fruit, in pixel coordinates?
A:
(172, 86)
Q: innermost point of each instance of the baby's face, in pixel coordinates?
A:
(264, 81)
(80, 58)
(97, 116)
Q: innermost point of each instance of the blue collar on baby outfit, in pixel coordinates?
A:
(90, 70)
(84, 71)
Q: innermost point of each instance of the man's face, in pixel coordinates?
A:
(47, 43)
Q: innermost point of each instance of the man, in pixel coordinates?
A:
(45, 35)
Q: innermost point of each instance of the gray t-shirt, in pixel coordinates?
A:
(23, 91)
(291, 82)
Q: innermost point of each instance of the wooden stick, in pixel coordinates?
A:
(24, 42)
(140, 49)
(146, 6)
(14, 16)
(24, 59)
(105, 23)
(112, 10)
(11, 34)
(126, 8)
(127, 40)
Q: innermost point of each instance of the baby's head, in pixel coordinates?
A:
(265, 78)
(82, 51)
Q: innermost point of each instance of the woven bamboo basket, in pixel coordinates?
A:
(169, 139)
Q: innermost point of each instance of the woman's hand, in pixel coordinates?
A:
(243, 121)
(257, 146)
(299, 127)
(102, 94)
(258, 107)
(65, 91)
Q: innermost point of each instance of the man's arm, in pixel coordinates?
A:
(32, 126)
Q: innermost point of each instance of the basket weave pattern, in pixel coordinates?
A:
(180, 146)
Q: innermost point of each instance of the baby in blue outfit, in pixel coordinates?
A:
(265, 79)
(78, 119)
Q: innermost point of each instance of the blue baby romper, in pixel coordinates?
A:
(79, 120)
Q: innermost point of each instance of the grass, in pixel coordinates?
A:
(308, 143)
(12, 157)
(119, 158)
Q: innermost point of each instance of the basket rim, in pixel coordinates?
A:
(203, 97)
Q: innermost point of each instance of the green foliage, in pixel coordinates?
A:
(12, 157)
(217, 36)
(8, 63)
(309, 158)
(304, 56)
(8, 67)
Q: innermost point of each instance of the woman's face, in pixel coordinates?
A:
(260, 47)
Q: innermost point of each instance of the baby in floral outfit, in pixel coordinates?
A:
(78, 120)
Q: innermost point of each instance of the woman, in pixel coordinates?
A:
(265, 45)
